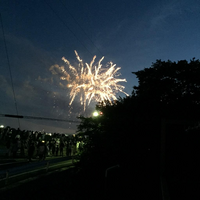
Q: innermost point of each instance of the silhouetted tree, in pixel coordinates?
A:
(130, 127)
(170, 88)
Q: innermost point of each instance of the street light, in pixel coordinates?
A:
(2, 126)
(95, 114)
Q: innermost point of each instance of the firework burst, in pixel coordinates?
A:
(92, 82)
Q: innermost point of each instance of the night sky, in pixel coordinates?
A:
(38, 33)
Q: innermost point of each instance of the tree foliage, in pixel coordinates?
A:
(131, 126)
(171, 87)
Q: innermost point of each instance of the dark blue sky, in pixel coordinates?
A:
(131, 34)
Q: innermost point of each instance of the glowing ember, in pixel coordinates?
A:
(92, 82)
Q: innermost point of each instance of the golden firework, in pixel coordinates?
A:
(92, 82)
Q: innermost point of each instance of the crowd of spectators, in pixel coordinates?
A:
(38, 145)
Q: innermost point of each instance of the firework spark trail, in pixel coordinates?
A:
(91, 81)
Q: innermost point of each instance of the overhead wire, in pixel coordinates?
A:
(65, 24)
(12, 85)
(37, 118)
(10, 73)
(80, 26)
(68, 11)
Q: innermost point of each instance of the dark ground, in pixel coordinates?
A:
(54, 186)
(70, 185)
(185, 184)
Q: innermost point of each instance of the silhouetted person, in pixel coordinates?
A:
(41, 150)
(31, 151)
(69, 149)
(45, 151)
(61, 148)
(57, 149)
(80, 147)
(15, 148)
(53, 149)
(8, 145)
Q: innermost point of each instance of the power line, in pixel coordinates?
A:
(37, 118)
(82, 29)
(65, 24)
(80, 26)
(11, 78)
